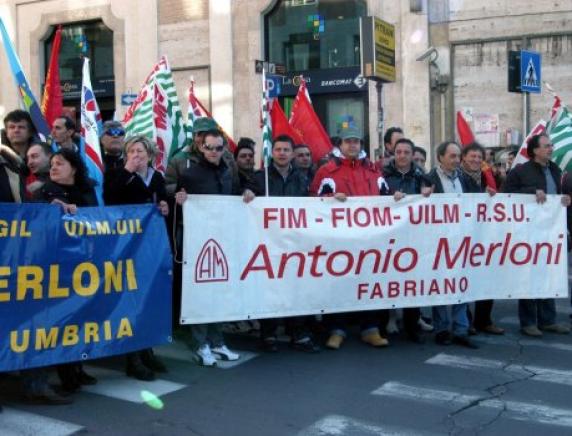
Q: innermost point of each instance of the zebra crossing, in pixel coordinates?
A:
(111, 384)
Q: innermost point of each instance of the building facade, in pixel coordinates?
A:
(217, 43)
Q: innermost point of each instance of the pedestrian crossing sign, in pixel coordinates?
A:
(530, 71)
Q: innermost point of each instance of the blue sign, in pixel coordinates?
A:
(530, 71)
(128, 99)
(84, 286)
(274, 85)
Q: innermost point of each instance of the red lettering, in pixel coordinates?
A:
(362, 289)
(284, 260)
(269, 215)
(377, 292)
(261, 250)
(393, 290)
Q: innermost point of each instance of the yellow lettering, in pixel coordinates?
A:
(139, 229)
(44, 341)
(89, 230)
(131, 278)
(124, 328)
(121, 227)
(107, 330)
(24, 232)
(103, 228)
(29, 277)
(70, 228)
(14, 229)
(54, 290)
(112, 276)
(91, 332)
(70, 336)
(93, 282)
(3, 228)
(4, 296)
(19, 347)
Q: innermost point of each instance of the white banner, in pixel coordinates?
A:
(281, 257)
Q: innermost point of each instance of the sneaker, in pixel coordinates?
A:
(224, 353)
(204, 356)
(424, 325)
(375, 340)
(465, 342)
(556, 328)
(334, 342)
(531, 330)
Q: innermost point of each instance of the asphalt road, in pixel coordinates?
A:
(511, 385)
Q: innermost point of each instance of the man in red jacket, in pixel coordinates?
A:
(350, 173)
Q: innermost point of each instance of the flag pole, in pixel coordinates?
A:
(265, 131)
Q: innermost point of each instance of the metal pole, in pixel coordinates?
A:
(525, 113)
(380, 120)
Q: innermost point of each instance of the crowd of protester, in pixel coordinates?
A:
(33, 171)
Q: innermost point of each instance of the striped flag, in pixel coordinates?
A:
(560, 131)
(195, 110)
(198, 110)
(522, 155)
(28, 100)
(91, 126)
(156, 113)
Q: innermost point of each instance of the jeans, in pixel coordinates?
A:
(203, 334)
(442, 323)
(537, 312)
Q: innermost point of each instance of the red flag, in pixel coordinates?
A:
(200, 110)
(464, 130)
(307, 124)
(52, 103)
(280, 125)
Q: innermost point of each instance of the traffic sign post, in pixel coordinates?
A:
(525, 71)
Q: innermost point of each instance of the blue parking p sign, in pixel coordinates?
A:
(530, 71)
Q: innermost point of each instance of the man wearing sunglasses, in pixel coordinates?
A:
(209, 174)
(112, 141)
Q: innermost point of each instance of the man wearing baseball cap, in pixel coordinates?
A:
(350, 173)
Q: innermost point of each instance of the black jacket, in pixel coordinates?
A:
(129, 188)
(408, 183)
(294, 185)
(203, 177)
(69, 194)
(529, 176)
(466, 184)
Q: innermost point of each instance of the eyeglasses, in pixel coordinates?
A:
(115, 131)
(218, 148)
(303, 154)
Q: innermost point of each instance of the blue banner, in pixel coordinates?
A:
(84, 286)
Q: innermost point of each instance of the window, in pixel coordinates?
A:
(314, 34)
(94, 40)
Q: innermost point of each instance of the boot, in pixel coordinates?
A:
(136, 369)
(151, 361)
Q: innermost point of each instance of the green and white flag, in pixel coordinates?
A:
(560, 131)
(156, 113)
